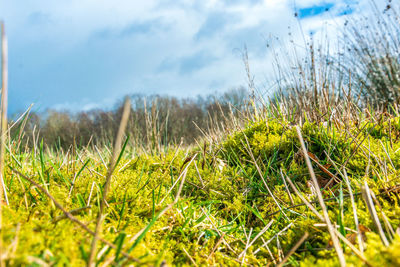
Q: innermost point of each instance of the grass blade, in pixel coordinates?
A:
(112, 164)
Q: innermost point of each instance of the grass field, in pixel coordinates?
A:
(311, 177)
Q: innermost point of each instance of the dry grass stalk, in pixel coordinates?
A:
(216, 246)
(337, 226)
(312, 202)
(4, 93)
(287, 189)
(108, 262)
(293, 249)
(112, 163)
(265, 244)
(333, 177)
(90, 194)
(387, 224)
(387, 154)
(72, 185)
(198, 173)
(331, 229)
(102, 160)
(4, 88)
(256, 237)
(190, 257)
(353, 204)
(372, 211)
(69, 215)
(247, 244)
(269, 252)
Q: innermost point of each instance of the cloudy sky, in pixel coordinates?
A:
(82, 54)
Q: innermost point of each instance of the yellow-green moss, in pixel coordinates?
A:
(223, 195)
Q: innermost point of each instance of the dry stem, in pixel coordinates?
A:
(113, 160)
(331, 229)
(4, 79)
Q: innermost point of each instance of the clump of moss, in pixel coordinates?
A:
(275, 146)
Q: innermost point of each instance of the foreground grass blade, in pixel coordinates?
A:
(122, 150)
(112, 164)
(77, 175)
(4, 88)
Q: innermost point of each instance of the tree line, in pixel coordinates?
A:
(154, 121)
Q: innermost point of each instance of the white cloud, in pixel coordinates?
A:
(62, 52)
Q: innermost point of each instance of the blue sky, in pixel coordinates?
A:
(82, 54)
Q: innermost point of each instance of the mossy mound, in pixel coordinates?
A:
(369, 151)
(275, 145)
(224, 207)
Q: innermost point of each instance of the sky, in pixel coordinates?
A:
(85, 54)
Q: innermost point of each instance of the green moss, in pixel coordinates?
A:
(224, 203)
